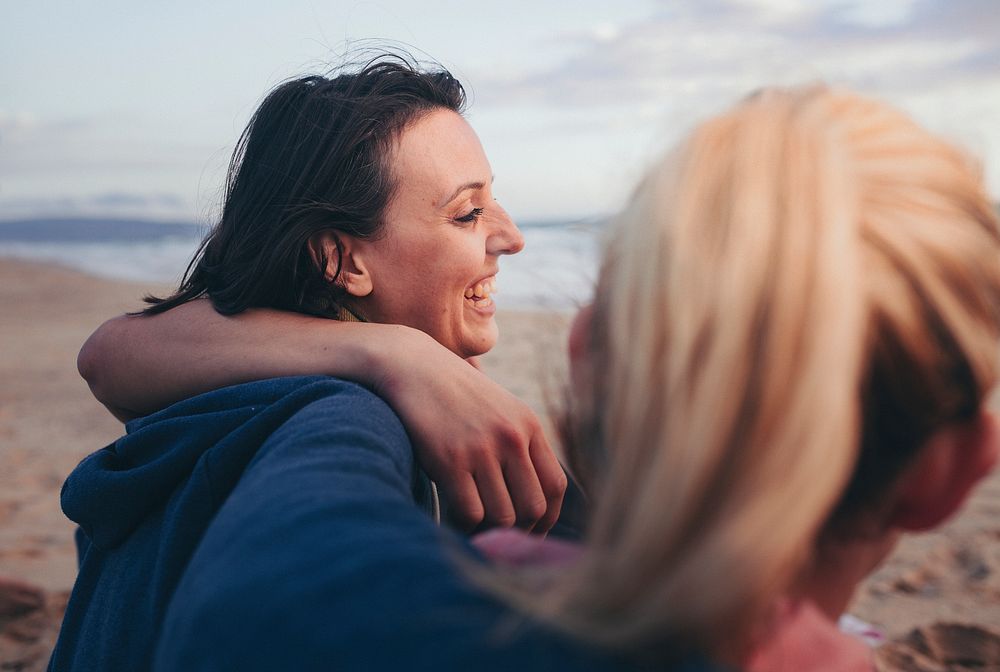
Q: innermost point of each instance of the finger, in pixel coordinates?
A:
(525, 489)
(551, 477)
(465, 508)
(496, 500)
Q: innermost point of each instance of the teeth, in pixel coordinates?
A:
(480, 292)
(482, 303)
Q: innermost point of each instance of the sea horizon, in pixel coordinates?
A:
(555, 271)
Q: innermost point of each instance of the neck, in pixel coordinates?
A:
(839, 567)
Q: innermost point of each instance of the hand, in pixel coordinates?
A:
(482, 445)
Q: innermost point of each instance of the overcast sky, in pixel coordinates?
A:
(132, 108)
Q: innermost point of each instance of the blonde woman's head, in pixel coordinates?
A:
(794, 300)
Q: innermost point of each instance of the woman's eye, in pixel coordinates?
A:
(471, 217)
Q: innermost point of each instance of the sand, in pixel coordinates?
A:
(49, 421)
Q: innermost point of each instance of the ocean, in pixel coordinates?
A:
(555, 271)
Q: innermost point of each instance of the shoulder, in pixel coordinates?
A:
(326, 398)
(286, 395)
(329, 412)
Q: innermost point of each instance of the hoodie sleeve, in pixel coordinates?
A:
(320, 559)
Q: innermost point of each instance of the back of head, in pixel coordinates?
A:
(314, 157)
(789, 304)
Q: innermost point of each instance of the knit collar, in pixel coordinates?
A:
(345, 314)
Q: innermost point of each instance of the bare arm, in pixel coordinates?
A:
(138, 365)
(483, 446)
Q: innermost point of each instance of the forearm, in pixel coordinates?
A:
(483, 447)
(139, 364)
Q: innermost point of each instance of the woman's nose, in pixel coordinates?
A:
(505, 238)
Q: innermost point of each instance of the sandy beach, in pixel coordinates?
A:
(49, 421)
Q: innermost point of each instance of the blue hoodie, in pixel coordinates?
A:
(274, 526)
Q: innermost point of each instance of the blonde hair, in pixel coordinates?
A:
(760, 292)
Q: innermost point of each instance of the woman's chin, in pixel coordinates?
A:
(479, 341)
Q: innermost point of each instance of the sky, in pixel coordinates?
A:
(132, 108)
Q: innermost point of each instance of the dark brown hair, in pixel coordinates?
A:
(315, 157)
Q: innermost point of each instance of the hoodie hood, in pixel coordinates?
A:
(194, 450)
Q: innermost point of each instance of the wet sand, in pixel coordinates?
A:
(49, 421)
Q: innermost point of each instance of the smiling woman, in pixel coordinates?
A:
(363, 197)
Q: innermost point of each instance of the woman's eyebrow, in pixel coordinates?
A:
(465, 187)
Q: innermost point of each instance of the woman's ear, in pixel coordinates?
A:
(346, 254)
(947, 468)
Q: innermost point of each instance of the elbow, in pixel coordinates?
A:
(85, 361)
(91, 361)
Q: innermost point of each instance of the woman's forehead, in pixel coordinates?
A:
(439, 157)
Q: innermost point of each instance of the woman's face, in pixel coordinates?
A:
(435, 267)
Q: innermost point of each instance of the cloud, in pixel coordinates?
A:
(956, 19)
(876, 14)
(718, 49)
(620, 92)
(23, 125)
(17, 122)
(32, 143)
